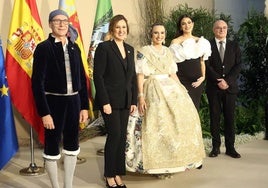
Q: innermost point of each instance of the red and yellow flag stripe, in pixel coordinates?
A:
(24, 34)
(69, 7)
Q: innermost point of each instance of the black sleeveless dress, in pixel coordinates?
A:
(188, 55)
(188, 72)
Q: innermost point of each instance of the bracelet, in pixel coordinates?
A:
(140, 95)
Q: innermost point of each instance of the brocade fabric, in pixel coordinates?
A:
(168, 137)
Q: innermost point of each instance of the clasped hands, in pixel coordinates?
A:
(222, 84)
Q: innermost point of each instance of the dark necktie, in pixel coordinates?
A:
(221, 50)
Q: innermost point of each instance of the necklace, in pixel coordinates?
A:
(159, 55)
(158, 52)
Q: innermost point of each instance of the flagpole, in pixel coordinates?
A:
(33, 169)
(100, 33)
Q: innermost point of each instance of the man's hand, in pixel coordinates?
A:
(222, 84)
(48, 122)
(83, 117)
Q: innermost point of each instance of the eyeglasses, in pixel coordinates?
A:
(221, 28)
(58, 22)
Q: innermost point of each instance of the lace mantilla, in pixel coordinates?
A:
(150, 62)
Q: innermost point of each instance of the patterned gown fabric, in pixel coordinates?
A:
(168, 137)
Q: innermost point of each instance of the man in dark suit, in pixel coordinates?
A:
(222, 70)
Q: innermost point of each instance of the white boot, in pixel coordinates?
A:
(69, 167)
(52, 171)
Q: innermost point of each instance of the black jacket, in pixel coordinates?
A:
(229, 69)
(49, 73)
(115, 82)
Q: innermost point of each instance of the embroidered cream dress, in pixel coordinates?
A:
(168, 137)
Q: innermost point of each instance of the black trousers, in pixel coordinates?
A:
(222, 102)
(65, 113)
(114, 150)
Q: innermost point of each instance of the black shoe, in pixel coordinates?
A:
(110, 186)
(200, 167)
(233, 154)
(122, 185)
(214, 152)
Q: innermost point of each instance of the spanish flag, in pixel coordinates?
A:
(25, 33)
(69, 7)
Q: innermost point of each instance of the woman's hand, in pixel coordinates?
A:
(48, 122)
(107, 109)
(132, 109)
(142, 105)
(198, 82)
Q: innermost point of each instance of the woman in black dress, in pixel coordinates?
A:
(190, 52)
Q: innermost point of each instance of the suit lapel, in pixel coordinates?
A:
(128, 56)
(227, 50)
(118, 54)
(215, 47)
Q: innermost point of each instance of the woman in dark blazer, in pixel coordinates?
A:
(116, 96)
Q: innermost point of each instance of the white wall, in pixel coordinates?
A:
(238, 9)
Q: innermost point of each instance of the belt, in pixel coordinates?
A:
(62, 94)
(159, 76)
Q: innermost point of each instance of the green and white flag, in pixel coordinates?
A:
(103, 15)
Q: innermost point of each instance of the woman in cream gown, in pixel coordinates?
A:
(165, 136)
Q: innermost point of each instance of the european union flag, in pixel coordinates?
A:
(8, 137)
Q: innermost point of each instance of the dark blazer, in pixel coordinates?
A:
(229, 69)
(49, 73)
(115, 82)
